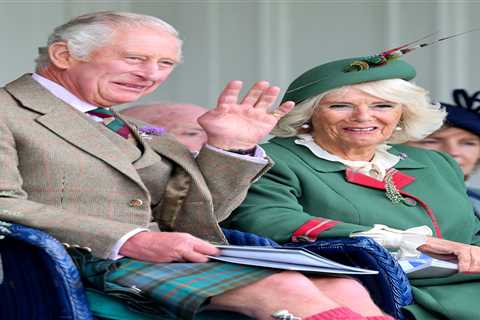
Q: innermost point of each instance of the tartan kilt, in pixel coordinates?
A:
(179, 290)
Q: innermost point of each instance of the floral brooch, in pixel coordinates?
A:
(147, 132)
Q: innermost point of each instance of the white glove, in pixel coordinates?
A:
(405, 241)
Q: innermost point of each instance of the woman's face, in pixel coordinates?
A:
(462, 145)
(351, 119)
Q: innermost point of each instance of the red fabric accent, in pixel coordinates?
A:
(101, 115)
(401, 180)
(124, 131)
(380, 318)
(341, 313)
(363, 180)
(311, 229)
(429, 212)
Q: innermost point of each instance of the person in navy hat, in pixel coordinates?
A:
(459, 136)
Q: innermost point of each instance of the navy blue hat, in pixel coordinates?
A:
(464, 113)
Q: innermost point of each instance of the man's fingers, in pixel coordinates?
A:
(283, 109)
(199, 252)
(206, 248)
(192, 256)
(230, 93)
(255, 93)
(268, 98)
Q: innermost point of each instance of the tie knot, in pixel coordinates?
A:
(101, 113)
(110, 121)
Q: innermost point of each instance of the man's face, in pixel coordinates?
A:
(133, 65)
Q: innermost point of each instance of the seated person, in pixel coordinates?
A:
(146, 210)
(339, 171)
(179, 119)
(459, 137)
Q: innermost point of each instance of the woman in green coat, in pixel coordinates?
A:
(339, 171)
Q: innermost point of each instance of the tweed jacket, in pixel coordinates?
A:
(62, 172)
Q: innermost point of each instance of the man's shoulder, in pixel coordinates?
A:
(8, 97)
(22, 81)
(12, 92)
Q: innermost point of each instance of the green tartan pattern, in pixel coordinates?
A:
(175, 289)
(180, 289)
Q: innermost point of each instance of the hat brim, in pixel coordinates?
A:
(332, 75)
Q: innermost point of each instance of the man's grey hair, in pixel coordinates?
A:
(420, 116)
(87, 32)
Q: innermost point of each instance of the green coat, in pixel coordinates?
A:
(301, 186)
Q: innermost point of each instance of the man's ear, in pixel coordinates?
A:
(60, 55)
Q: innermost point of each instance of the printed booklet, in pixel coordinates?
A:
(297, 259)
(427, 267)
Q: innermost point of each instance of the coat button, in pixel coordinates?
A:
(135, 203)
(410, 202)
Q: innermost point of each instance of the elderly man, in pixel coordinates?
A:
(72, 167)
(179, 119)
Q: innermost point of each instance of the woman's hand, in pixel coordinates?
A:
(468, 256)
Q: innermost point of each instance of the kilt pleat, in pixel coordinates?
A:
(181, 289)
(176, 289)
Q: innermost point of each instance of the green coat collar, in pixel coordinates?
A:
(322, 165)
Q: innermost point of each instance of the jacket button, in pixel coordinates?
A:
(135, 203)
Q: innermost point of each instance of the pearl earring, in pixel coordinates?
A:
(305, 126)
(399, 126)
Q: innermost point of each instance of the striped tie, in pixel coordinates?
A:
(115, 124)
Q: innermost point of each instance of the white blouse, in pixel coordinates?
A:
(376, 168)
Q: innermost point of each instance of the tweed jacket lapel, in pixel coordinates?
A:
(167, 146)
(148, 156)
(70, 124)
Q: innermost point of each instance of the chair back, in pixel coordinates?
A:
(38, 280)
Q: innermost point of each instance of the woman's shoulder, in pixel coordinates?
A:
(423, 155)
(286, 151)
(432, 160)
(277, 145)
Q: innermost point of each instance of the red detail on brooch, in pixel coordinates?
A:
(310, 230)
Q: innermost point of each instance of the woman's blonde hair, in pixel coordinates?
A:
(420, 115)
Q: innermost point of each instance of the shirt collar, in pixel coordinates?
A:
(376, 168)
(63, 94)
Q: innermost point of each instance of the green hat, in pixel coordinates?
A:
(344, 72)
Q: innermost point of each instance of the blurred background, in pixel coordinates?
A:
(275, 40)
